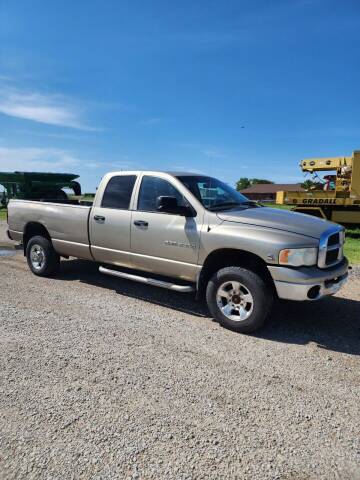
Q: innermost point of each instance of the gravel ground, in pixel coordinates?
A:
(103, 379)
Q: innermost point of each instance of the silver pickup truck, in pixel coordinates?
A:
(188, 232)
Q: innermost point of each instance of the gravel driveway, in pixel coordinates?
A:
(103, 379)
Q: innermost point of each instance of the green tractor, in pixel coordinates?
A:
(37, 186)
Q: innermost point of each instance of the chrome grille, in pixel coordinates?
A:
(331, 247)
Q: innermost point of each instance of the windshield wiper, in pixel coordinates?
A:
(225, 205)
(228, 205)
(250, 203)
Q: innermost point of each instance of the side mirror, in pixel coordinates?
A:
(170, 205)
(166, 204)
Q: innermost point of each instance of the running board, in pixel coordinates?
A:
(148, 281)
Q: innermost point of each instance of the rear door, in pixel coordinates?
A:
(110, 221)
(164, 243)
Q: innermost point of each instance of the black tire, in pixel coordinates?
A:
(256, 310)
(49, 260)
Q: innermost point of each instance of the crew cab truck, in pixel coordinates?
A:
(188, 232)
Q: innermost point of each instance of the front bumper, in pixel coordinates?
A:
(308, 283)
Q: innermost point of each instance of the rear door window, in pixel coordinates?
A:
(118, 192)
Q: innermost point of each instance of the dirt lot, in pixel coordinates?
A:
(103, 378)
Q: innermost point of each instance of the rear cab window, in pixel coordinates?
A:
(118, 192)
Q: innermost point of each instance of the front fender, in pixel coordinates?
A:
(263, 242)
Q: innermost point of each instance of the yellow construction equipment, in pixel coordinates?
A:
(334, 197)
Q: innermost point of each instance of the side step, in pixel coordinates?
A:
(148, 281)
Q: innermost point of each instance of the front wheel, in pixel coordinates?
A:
(239, 299)
(41, 257)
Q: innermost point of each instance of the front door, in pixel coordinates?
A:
(163, 243)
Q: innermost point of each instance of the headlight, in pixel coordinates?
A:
(298, 257)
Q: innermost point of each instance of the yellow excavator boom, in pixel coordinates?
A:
(323, 164)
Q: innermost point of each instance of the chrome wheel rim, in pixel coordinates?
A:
(235, 301)
(37, 257)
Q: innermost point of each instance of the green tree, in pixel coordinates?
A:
(307, 184)
(244, 182)
(257, 181)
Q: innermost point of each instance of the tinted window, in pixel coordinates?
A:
(118, 192)
(154, 187)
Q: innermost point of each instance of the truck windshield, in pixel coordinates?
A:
(214, 194)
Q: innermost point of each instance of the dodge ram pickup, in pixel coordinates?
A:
(188, 232)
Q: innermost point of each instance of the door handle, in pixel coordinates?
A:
(99, 218)
(141, 223)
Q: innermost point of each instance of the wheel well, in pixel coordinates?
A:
(31, 230)
(229, 258)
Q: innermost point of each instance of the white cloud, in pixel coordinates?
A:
(36, 159)
(40, 159)
(49, 109)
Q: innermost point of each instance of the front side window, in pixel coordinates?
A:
(154, 187)
(118, 192)
(214, 194)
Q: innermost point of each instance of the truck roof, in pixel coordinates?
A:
(182, 174)
(169, 172)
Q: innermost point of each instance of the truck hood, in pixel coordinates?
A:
(278, 219)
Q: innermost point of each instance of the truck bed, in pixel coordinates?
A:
(67, 224)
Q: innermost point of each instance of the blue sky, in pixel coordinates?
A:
(93, 86)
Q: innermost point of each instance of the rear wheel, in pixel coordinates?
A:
(239, 299)
(41, 256)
